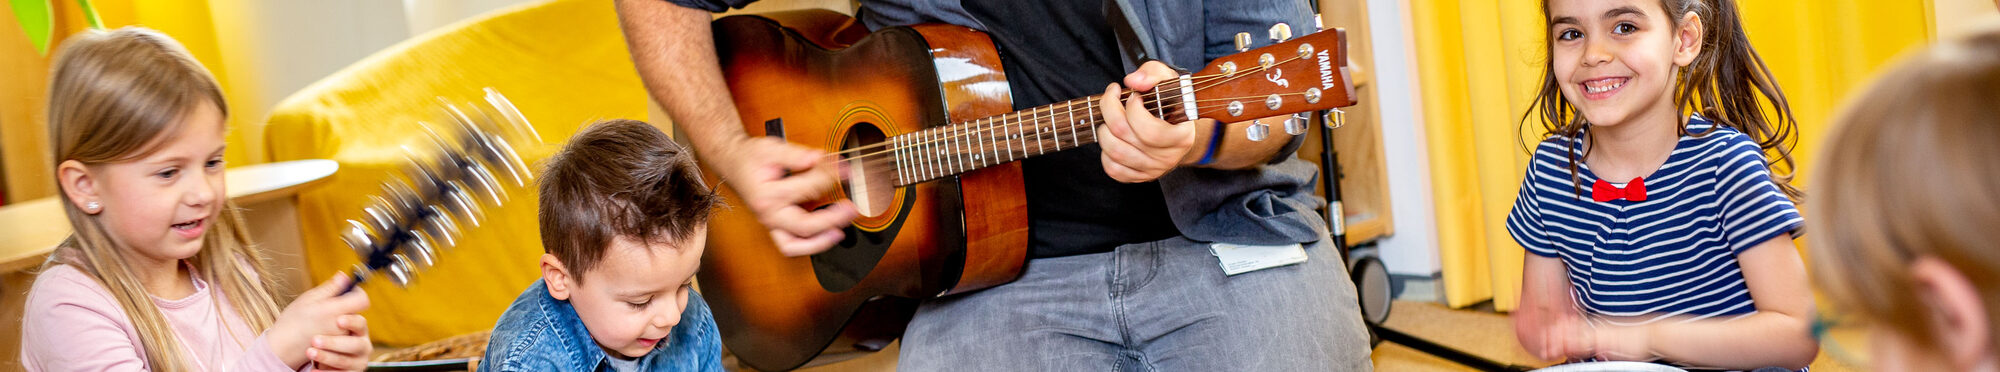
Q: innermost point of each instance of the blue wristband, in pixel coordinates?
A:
(1214, 141)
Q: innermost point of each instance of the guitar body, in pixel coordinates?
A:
(818, 80)
(919, 118)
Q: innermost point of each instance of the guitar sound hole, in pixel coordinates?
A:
(870, 180)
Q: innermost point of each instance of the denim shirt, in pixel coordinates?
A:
(1269, 204)
(540, 333)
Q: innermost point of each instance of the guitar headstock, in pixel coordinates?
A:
(1288, 76)
(464, 165)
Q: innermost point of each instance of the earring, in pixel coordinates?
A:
(91, 207)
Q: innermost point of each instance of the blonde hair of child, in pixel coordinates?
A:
(1908, 173)
(114, 96)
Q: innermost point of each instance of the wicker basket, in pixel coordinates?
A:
(466, 346)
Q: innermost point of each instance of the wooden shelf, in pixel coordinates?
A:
(1364, 183)
(1363, 231)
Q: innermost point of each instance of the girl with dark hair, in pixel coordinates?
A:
(1658, 228)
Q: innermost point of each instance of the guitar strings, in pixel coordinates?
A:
(950, 162)
(955, 161)
(1068, 108)
(1072, 109)
(967, 135)
(1036, 137)
(966, 159)
(913, 170)
(1160, 91)
(1207, 80)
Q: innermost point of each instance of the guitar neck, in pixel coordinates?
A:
(949, 150)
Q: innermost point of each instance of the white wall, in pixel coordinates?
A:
(425, 15)
(273, 48)
(1413, 250)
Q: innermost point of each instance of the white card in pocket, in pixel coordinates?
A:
(1239, 258)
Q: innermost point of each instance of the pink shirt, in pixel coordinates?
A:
(74, 324)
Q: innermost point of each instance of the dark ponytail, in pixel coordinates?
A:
(1726, 80)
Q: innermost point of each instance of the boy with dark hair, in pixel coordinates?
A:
(624, 217)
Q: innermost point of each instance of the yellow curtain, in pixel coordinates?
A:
(23, 132)
(1479, 64)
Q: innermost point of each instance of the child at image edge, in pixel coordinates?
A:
(1907, 240)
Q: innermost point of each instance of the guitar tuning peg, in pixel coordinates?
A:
(1257, 131)
(1242, 41)
(1296, 124)
(1335, 119)
(1281, 32)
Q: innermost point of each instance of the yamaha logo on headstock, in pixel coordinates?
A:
(1325, 70)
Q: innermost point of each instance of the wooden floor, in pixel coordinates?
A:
(1483, 333)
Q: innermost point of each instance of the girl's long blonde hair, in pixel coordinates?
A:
(114, 96)
(1908, 173)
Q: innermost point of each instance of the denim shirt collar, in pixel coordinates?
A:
(585, 354)
(692, 345)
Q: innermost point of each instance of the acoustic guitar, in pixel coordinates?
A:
(920, 116)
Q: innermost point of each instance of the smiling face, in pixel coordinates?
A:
(635, 295)
(160, 205)
(1614, 60)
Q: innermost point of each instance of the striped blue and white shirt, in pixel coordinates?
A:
(1670, 255)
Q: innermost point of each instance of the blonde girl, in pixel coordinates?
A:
(159, 274)
(1657, 228)
(1909, 232)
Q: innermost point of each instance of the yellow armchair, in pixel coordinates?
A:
(563, 63)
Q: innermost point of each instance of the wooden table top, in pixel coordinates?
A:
(33, 228)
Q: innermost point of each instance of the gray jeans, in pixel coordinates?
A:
(1157, 306)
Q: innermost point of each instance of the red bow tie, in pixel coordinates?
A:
(1604, 191)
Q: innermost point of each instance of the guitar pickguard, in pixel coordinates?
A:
(844, 265)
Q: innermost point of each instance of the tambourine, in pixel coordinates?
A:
(464, 166)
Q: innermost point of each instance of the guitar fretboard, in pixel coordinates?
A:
(949, 150)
